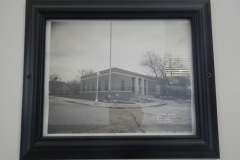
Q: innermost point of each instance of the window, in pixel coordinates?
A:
(83, 86)
(133, 85)
(139, 85)
(106, 85)
(145, 87)
(122, 85)
(99, 85)
(93, 86)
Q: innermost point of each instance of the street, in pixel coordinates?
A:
(68, 115)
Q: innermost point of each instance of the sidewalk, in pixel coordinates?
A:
(85, 102)
(105, 104)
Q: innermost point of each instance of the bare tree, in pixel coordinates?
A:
(73, 87)
(156, 66)
(54, 81)
(165, 69)
(84, 72)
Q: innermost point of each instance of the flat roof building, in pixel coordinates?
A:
(120, 85)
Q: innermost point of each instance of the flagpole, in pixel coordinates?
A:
(110, 62)
(96, 100)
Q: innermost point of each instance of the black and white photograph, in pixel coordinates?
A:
(118, 77)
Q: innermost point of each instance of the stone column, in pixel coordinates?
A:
(142, 86)
(146, 87)
(136, 86)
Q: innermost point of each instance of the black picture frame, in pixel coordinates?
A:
(204, 144)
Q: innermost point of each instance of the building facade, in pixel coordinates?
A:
(120, 84)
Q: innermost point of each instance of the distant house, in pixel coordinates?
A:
(123, 85)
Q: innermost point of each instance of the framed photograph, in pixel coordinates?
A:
(118, 79)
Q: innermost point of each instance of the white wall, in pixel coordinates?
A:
(226, 36)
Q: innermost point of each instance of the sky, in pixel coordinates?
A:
(79, 44)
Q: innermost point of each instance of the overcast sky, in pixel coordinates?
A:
(76, 45)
